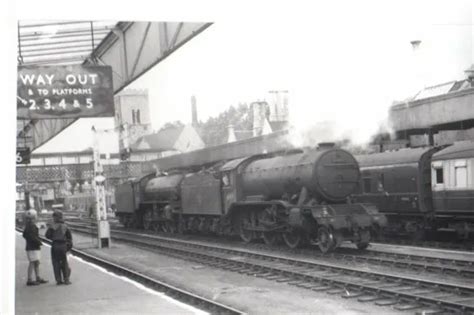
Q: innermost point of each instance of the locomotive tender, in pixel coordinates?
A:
(297, 196)
(421, 189)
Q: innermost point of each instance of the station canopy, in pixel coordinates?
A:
(129, 48)
(59, 43)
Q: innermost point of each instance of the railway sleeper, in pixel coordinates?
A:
(431, 311)
(284, 279)
(370, 298)
(386, 302)
(320, 288)
(350, 295)
(407, 307)
(305, 284)
(337, 291)
(297, 282)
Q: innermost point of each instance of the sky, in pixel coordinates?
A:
(341, 61)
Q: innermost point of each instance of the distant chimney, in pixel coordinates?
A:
(266, 128)
(415, 44)
(194, 111)
(470, 75)
(278, 105)
(259, 117)
(231, 134)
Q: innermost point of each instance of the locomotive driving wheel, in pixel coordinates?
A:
(292, 238)
(364, 239)
(147, 217)
(271, 238)
(326, 240)
(245, 234)
(267, 217)
(156, 227)
(169, 226)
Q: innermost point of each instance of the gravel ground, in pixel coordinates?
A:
(246, 293)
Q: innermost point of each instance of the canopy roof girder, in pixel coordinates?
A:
(133, 48)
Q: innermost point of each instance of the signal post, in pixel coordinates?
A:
(103, 227)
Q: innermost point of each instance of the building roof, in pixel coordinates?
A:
(278, 125)
(459, 150)
(243, 134)
(163, 140)
(402, 156)
(441, 89)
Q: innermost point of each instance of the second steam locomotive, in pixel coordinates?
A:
(296, 197)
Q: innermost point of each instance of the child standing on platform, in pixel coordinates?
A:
(33, 248)
(62, 243)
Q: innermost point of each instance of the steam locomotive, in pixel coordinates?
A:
(421, 189)
(296, 196)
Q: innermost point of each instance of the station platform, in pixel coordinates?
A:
(93, 291)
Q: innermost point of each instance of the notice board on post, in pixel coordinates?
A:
(64, 92)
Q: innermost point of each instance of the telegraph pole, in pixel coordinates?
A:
(103, 228)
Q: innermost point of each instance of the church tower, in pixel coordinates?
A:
(132, 116)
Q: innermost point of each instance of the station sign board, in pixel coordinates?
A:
(23, 155)
(64, 92)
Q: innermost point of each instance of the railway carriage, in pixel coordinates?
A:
(452, 173)
(421, 189)
(399, 183)
(296, 196)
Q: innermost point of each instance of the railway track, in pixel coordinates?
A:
(404, 293)
(452, 267)
(189, 298)
(450, 245)
(417, 262)
(467, 246)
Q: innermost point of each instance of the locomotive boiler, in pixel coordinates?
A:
(329, 175)
(296, 196)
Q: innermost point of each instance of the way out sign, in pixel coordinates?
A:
(64, 92)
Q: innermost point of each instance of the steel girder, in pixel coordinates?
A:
(80, 172)
(131, 49)
(37, 132)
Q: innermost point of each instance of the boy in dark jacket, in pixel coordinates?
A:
(33, 248)
(61, 237)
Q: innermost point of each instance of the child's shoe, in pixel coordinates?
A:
(30, 283)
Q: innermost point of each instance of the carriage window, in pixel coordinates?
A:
(367, 184)
(439, 175)
(461, 176)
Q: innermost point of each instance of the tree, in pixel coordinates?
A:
(174, 124)
(214, 131)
